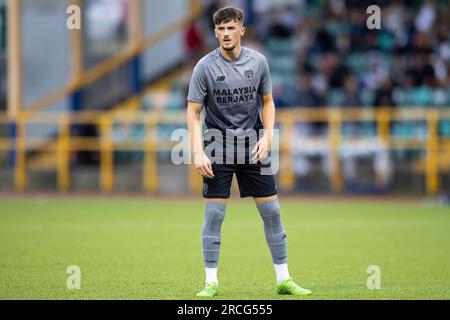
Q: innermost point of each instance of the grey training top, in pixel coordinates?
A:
(230, 90)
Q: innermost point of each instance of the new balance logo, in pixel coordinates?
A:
(220, 78)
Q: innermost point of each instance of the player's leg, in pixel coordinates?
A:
(270, 212)
(211, 236)
(215, 209)
(216, 191)
(269, 209)
(263, 189)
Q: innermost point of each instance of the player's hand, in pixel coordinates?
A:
(261, 149)
(203, 165)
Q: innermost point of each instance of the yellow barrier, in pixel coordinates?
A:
(63, 159)
(150, 159)
(106, 155)
(151, 145)
(20, 172)
(286, 147)
(335, 123)
(432, 173)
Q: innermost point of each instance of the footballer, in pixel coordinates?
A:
(233, 84)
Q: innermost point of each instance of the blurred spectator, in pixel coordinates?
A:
(279, 97)
(351, 92)
(324, 42)
(394, 20)
(213, 6)
(351, 99)
(426, 16)
(443, 42)
(303, 94)
(284, 24)
(383, 96)
(322, 53)
(421, 71)
(339, 72)
(193, 41)
(358, 29)
(376, 75)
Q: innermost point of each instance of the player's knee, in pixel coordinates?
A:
(271, 214)
(269, 209)
(214, 216)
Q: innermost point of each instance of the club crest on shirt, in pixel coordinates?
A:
(248, 75)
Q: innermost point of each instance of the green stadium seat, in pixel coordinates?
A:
(441, 97)
(335, 97)
(422, 96)
(277, 46)
(283, 64)
(358, 62)
(367, 97)
(444, 129)
(336, 27)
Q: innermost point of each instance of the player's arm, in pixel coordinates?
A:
(264, 144)
(201, 161)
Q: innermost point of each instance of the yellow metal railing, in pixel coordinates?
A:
(80, 78)
(22, 115)
(151, 145)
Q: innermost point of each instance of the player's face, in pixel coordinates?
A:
(229, 34)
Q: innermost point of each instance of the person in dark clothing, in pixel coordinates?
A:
(383, 96)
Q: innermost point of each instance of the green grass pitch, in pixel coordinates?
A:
(151, 249)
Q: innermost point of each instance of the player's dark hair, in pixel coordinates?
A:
(227, 14)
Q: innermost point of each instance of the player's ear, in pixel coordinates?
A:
(243, 29)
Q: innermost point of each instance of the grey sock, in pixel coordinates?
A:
(211, 230)
(274, 231)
